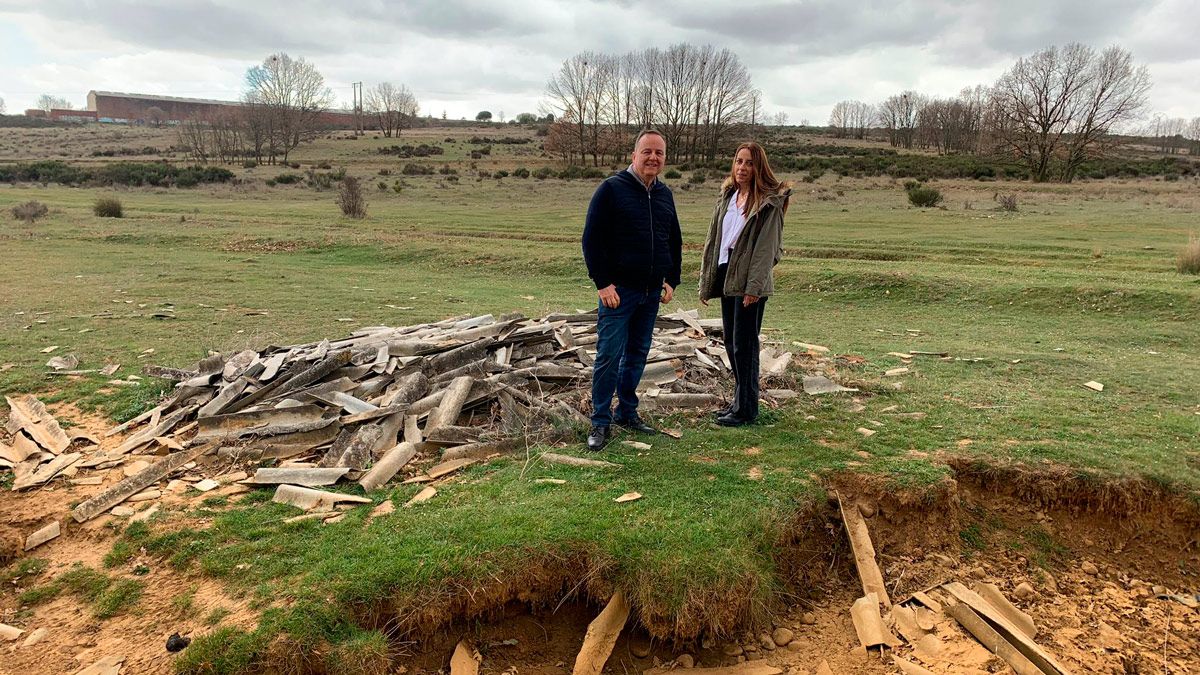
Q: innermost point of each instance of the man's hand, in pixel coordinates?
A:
(608, 296)
(667, 293)
(748, 300)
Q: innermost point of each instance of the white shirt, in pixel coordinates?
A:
(731, 227)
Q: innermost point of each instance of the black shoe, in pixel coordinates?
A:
(636, 424)
(722, 412)
(597, 439)
(733, 421)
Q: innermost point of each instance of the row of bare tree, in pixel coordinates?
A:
(282, 107)
(696, 96)
(1051, 111)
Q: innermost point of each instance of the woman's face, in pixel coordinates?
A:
(743, 167)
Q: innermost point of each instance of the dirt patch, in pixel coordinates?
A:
(253, 245)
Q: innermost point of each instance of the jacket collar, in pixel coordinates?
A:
(776, 200)
(639, 180)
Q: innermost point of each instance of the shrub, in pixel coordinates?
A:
(1007, 202)
(351, 198)
(324, 165)
(923, 196)
(672, 174)
(520, 172)
(385, 172)
(412, 169)
(500, 174)
(698, 176)
(383, 186)
(447, 170)
(1189, 257)
(108, 207)
(485, 174)
(288, 178)
(543, 173)
(249, 164)
(29, 211)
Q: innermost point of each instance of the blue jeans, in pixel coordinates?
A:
(623, 342)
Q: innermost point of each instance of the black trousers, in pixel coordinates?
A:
(741, 327)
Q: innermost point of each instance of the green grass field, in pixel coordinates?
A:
(1079, 284)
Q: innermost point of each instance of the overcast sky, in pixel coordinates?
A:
(463, 56)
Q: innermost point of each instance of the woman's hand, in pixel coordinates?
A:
(704, 302)
(748, 300)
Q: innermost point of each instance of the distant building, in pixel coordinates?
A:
(122, 108)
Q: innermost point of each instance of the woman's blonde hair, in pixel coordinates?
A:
(762, 179)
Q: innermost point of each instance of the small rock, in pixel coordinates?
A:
(706, 644)
(867, 509)
(1024, 591)
(35, 637)
(795, 645)
(639, 646)
(741, 659)
(175, 643)
(808, 619)
(1089, 567)
(749, 648)
(782, 636)
(732, 650)
(766, 642)
(686, 661)
(122, 511)
(824, 668)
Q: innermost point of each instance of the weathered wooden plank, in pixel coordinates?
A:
(136, 483)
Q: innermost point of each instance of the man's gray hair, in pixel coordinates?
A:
(648, 132)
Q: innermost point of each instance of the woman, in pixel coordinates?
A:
(745, 240)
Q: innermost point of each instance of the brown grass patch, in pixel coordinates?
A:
(1189, 257)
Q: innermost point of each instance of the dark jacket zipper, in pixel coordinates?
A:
(650, 208)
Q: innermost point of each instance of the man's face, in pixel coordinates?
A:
(649, 156)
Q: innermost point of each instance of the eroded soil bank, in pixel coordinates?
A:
(1092, 558)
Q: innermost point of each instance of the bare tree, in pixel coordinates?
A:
(294, 94)
(694, 95)
(898, 115)
(2, 108)
(839, 119)
(1114, 92)
(47, 102)
(156, 115)
(394, 105)
(779, 119)
(1061, 104)
(1193, 135)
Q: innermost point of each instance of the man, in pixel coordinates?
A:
(633, 249)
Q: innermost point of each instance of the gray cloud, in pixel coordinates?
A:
(805, 56)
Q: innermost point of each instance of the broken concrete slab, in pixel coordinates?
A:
(864, 552)
(991, 639)
(991, 593)
(134, 484)
(1026, 646)
(9, 633)
(868, 624)
(42, 535)
(427, 493)
(1094, 386)
(760, 667)
(46, 472)
(465, 660)
(601, 636)
(555, 458)
(817, 385)
(388, 466)
(306, 477)
(109, 665)
(308, 498)
(30, 414)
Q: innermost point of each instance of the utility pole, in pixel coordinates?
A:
(358, 109)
